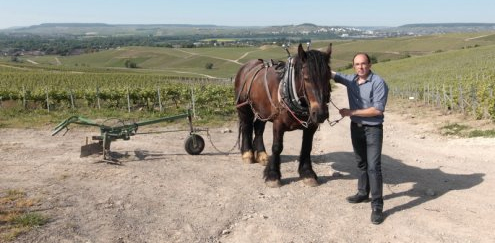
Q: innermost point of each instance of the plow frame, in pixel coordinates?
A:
(194, 144)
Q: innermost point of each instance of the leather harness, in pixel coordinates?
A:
(287, 94)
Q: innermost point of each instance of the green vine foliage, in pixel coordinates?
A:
(115, 90)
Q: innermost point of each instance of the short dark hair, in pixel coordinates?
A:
(362, 53)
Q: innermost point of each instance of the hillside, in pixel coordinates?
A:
(300, 30)
(227, 60)
(98, 29)
(436, 28)
(449, 67)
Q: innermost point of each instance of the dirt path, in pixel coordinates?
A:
(219, 58)
(32, 62)
(436, 189)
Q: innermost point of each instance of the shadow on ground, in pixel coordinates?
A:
(428, 184)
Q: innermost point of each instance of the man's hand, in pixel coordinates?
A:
(368, 112)
(345, 112)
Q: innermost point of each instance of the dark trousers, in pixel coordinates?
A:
(367, 144)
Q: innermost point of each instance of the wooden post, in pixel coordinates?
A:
(128, 101)
(428, 94)
(451, 98)
(474, 105)
(47, 100)
(71, 99)
(489, 116)
(159, 99)
(98, 97)
(192, 101)
(24, 97)
(461, 98)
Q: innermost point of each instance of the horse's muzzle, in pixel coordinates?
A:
(319, 114)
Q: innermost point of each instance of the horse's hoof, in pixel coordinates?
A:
(312, 182)
(262, 158)
(248, 157)
(273, 184)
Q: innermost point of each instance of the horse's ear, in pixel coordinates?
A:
(301, 52)
(329, 50)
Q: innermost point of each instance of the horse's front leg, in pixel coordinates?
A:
(259, 145)
(272, 173)
(305, 169)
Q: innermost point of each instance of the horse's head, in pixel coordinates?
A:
(312, 67)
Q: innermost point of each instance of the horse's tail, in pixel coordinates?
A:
(239, 132)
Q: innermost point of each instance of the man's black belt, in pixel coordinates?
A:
(365, 125)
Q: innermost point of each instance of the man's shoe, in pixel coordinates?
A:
(377, 216)
(357, 198)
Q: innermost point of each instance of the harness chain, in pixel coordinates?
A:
(218, 150)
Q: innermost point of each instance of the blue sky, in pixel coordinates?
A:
(246, 13)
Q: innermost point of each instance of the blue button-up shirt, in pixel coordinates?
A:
(372, 93)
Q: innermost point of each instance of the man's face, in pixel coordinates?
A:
(361, 65)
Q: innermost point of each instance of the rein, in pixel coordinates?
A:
(334, 122)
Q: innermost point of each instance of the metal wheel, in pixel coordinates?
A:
(194, 144)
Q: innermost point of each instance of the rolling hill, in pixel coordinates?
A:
(226, 60)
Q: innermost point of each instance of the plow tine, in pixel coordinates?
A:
(63, 125)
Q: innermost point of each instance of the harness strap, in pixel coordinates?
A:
(303, 123)
(250, 85)
(242, 104)
(266, 87)
(248, 101)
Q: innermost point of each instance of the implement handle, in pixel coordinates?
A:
(73, 119)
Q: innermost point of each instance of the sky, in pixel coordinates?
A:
(15, 13)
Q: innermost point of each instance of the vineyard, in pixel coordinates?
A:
(460, 80)
(82, 91)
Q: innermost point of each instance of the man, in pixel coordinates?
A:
(367, 94)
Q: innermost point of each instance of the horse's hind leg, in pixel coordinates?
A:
(259, 145)
(305, 169)
(246, 117)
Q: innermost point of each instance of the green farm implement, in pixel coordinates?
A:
(194, 143)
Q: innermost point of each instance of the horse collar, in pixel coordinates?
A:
(288, 92)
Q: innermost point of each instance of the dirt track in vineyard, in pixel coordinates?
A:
(437, 189)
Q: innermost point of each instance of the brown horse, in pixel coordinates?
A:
(292, 95)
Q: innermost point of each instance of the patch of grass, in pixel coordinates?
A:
(454, 129)
(460, 130)
(480, 133)
(31, 219)
(15, 217)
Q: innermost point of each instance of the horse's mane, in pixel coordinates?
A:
(317, 62)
